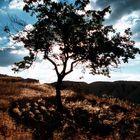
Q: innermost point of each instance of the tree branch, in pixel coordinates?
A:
(71, 67)
(55, 66)
(65, 64)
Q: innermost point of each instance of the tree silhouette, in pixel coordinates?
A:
(66, 33)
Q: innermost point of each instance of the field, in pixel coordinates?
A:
(28, 112)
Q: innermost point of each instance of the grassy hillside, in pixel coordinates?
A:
(125, 90)
(27, 111)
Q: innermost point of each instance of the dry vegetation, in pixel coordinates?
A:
(12, 89)
(27, 112)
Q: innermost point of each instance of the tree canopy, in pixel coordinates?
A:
(68, 33)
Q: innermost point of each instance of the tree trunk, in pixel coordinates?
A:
(58, 94)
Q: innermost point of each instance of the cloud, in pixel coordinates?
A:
(11, 52)
(125, 13)
(7, 57)
(45, 73)
(16, 4)
(123, 23)
(136, 36)
(120, 8)
(137, 44)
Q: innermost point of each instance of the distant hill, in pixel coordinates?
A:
(126, 90)
(4, 77)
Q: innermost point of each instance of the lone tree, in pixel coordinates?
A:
(66, 33)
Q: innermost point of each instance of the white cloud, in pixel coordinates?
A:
(137, 44)
(133, 77)
(21, 34)
(127, 21)
(88, 7)
(55, 0)
(123, 24)
(92, 5)
(135, 36)
(12, 43)
(39, 70)
(16, 4)
(45, 73)
(44, 70)
(29, 27)
(21, 51)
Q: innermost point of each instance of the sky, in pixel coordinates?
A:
(125, 14)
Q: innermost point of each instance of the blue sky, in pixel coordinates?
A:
(125, 13)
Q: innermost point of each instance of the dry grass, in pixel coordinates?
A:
(15, 88)
(83, 118)
(86, 117)
(11, 89)
(9, 130)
